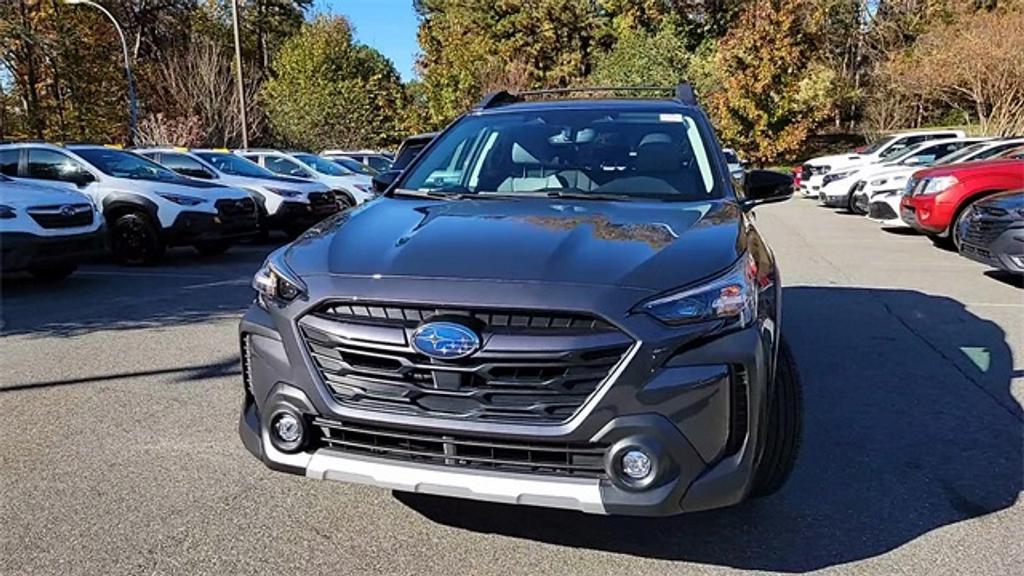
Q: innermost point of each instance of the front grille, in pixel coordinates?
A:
(514, 320)
(881, 211)
(62, 216)
(557, 459)
(984, 231)
(236, 207)
(322, 199)
(532, 368)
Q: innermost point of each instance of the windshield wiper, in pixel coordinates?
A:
(580, 194)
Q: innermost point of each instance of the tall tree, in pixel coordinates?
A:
(469, 44)
(330, 91)
(771, 97)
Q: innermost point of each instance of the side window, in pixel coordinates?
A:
(51, 165)
(186, 166)
(9, 162)
(286, 167)
(254, 158)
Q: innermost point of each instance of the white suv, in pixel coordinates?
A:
(351, 189)
(46, 231)
(288, 204)
(814, 170)
(147, 207)
(839, 189)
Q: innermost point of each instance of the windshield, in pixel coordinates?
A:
(622, 153)
(121, 164)
(322, 165)
(234, 165)
(357, 167)
(961, 153)
(877, 145)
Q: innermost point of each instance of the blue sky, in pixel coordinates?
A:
(387, 25)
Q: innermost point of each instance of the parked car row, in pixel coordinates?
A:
(965, 193)
(62, 204)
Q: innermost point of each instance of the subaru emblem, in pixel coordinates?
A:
(68, 210)
(445, 340)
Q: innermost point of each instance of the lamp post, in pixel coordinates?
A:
(133, 106)
(238, 75)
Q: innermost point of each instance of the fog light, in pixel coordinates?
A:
(636, 465)
(287, 428)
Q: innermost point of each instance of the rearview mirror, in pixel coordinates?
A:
(383, 181)
(766, 187)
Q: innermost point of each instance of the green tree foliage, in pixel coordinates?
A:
(330, 91)
(772, 93)
(472, 46)
(640, 58)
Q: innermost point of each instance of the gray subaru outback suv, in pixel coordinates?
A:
(560, 303)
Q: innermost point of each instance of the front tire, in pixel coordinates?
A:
(782, 429)
(135, 241)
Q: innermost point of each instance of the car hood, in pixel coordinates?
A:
(183, 186)
(280, 183)
(1013, 200)
(889, 172)
(653, 246)
(22, 195)
(344, 181)
(969, 167)
(836, 160)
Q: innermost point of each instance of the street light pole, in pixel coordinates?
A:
(133, 105)
(238, 75)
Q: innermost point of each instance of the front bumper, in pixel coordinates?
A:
(884, 208)
(679, 400)
(198, 227)
(24, 251)
(1005, 252)
(293, 215)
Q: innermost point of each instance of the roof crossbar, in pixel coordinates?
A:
(682, 93)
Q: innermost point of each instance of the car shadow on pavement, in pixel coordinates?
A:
(909, 426)
(1015, 280)
(183, 289)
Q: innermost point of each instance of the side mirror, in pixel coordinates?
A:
(766, 187)
(82, 178)
(383, 181)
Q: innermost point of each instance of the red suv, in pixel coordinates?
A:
(937, 198)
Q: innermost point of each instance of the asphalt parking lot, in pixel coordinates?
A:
(119, 395)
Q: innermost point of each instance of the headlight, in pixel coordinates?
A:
(181, 199)
(285, 192)
(274, 282)
(7, 212)
(936, 185)
(730, 297)
(838, 176)
(879, 181)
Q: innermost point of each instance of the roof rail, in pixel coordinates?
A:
(683, 93)
(495, 99)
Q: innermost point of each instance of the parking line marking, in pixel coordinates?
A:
(241, 281)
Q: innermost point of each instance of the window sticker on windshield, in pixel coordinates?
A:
(671, 117)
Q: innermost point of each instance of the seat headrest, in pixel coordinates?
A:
(658, 153)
